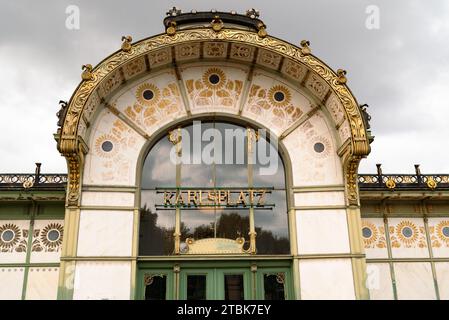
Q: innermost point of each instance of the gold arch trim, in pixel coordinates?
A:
(69, 144)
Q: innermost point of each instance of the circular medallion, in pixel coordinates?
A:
(148, 94)
(107, 146)
(9, 235)
(442, 230)
(445, 231)
(51, 236)
(279, 96)
(369, 233)
(318, 147)
(214, 78)
(366, 232)
(407, 232)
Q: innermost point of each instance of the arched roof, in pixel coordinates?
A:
(242, 39)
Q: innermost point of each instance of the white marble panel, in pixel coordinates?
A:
(105, 233)
(112, 199)
(379, 281)
(47, 241)
(14, 240)
(11, 283)
(329, 198)
(322, 231)
(326, 279)
(408, 238)
(374, 239)
(102, 281)
(414, 281)
(42, 283)
(442, 271)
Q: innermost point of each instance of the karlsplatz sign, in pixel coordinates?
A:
(221, 198)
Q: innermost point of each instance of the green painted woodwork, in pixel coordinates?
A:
(252, 271)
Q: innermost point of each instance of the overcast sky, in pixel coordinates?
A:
(401, 69)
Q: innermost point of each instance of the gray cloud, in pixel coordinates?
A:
(400, 70)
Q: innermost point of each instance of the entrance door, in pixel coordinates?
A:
(215, 283)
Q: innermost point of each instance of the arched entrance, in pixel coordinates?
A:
(227, 68)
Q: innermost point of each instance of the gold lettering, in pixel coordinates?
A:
(242, 198)
(179, 199)
(261, 201)
(167, 197)
(192, 197)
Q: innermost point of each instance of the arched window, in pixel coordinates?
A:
(213, 180)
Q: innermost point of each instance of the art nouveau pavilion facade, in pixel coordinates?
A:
(104, 232)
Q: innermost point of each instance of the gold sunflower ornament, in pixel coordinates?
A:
(148, 94)
(214, 78)
(51, 236)
(9, 236)
(279, 96)
(407, 232)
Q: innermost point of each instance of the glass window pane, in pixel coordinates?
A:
(194, 172)
(197, 224)
(234, 287)
(209, 223)
(156, 287)
(156, 227)
(268, 171)
(158, 169)
(272, 226)
(232, 171)
(274, 286)
(196, 287)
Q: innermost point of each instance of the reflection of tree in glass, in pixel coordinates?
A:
(158, 240)
(153, 239)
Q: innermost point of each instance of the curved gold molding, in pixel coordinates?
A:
(68, 139)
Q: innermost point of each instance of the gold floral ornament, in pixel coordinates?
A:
(148, 94)
(407, 233)
(305, 49)
(262, 30)
(369, 233)
(277, 100)
(217, 24)
(87, 72)
(9, 236)
(341, 76)
(431, 183)
(28, 183)
(154, 105)
(126, 45)
(106, 146)
(279, 96)
(214, 78)
(390, 184)
(171, 29)
(442, 230)
(51, 236)
(214, 89)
